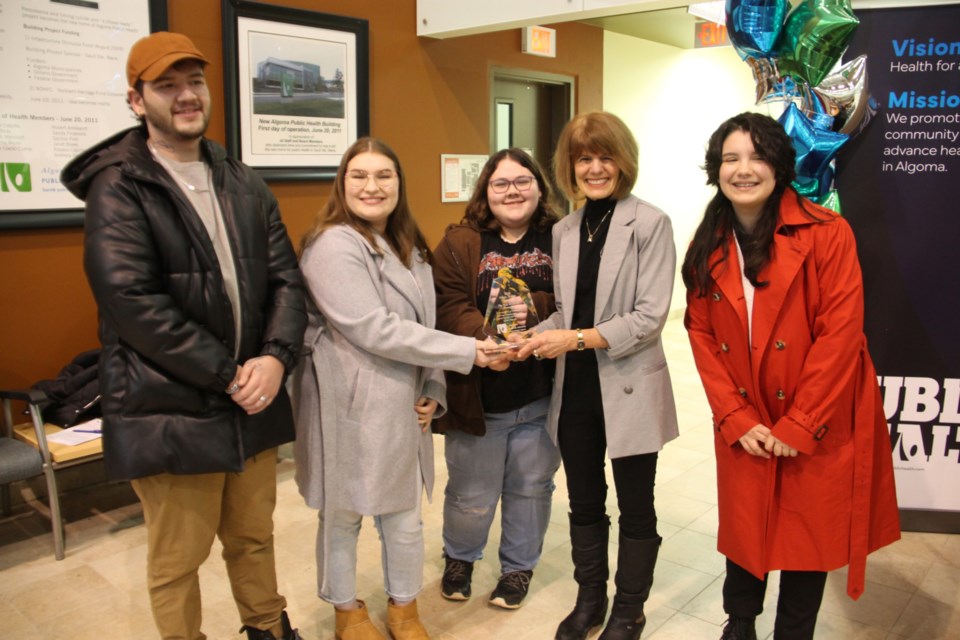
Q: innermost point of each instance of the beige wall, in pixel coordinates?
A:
(426, 97)
(673, 99)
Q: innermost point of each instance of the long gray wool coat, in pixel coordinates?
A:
(370, 353)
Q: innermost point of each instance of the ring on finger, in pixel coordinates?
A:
(263, 398)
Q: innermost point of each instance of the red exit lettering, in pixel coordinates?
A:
(709, 34)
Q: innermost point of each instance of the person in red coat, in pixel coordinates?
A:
(775, 320)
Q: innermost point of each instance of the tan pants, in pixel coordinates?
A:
(183, 514)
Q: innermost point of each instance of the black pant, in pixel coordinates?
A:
(583, 448)
(797, 607)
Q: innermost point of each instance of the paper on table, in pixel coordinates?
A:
(78, 434)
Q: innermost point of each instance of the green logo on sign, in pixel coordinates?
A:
(15, 176)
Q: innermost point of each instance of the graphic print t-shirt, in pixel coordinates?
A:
(529, 260)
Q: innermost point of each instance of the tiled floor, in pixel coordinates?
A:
(98, 591)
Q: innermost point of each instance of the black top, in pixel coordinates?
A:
(593, 235)
(528, 259)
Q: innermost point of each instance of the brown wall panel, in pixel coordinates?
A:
(427, 97)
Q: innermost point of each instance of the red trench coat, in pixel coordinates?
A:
(807, 376)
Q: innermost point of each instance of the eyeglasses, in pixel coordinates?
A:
(502, 185)
(385, 179)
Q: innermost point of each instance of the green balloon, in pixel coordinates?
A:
(830, 201)
(809, 188)
(814, 38)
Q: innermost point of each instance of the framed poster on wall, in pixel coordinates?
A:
(296, 88)
(64, 89)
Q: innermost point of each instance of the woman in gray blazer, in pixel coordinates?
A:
(614, 262)
(370, 383)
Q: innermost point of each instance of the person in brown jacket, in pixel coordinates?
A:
(497, 447)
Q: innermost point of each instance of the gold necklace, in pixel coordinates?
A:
(586, 225)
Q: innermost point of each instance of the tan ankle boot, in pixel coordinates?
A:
(404, 622)
(355, 624)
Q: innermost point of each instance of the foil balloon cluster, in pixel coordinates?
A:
(792, 54)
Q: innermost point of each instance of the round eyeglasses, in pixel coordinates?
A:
(501, 185)
(383, 179)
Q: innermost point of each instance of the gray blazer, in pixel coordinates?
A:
(370, 352)
(634, 287)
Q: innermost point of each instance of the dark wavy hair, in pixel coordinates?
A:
(602, 133)
(773, 146)
(402, 233)
(478, 214)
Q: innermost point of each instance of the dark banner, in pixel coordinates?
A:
(899, 184)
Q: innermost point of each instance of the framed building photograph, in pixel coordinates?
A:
(64, 90)
(296, 88)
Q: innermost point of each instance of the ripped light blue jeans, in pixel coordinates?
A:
(514, 463)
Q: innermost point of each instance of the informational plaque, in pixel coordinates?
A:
(63, 89)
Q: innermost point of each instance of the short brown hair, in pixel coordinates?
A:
(597, 132)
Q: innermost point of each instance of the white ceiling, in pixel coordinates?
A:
(675, 27)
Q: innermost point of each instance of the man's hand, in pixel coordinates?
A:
(258, 382)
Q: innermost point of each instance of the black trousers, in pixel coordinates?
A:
(797, 607)
(583, 448)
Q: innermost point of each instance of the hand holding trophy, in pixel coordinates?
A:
(510, 311)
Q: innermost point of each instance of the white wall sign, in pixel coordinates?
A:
(458, 176)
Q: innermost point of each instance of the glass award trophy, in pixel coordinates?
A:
(510, 310)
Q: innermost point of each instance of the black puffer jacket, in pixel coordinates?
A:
(166, 323)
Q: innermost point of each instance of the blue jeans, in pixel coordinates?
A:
(514, 463)
(401, 554)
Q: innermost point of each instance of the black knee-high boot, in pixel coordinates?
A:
(591, 571)
(635, 563)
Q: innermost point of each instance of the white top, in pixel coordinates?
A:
(748, 291)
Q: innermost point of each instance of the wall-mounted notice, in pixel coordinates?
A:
(458, 176)
(63, 88)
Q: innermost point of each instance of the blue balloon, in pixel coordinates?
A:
(815, 147)
(817, 111)
(754, 26)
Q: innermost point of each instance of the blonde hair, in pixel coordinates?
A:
(601, 133)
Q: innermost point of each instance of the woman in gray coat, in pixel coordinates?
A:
(370, 384)
(614, 263)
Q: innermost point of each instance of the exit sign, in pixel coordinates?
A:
(709, 34)
(539, 41)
